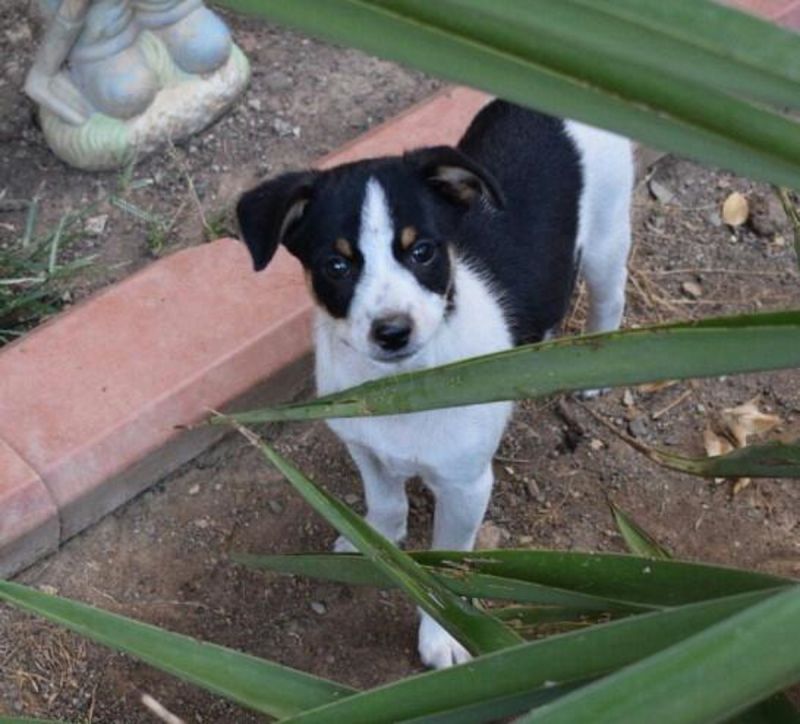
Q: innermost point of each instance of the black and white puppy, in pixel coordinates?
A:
(441, 254)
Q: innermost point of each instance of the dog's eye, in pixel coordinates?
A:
(337, 267)
(422, 252)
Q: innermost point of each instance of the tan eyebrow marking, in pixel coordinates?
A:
(408, 236)
(344, 247)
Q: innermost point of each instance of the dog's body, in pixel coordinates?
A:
(439, 255)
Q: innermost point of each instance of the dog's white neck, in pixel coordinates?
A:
(476, 326)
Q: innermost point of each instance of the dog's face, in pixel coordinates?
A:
(373, 239)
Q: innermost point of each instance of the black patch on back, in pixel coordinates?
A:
(528, 248)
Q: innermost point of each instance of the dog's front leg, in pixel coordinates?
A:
(459, 511)
(387, 503)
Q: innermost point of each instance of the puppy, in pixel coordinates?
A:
(437, 255)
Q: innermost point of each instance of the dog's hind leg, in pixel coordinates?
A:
(605, 274)
(459, 511)
(387, 503)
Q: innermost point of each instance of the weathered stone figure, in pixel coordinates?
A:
(114, 78)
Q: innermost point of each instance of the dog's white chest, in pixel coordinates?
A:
(455, 439)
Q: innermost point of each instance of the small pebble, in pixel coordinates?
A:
(692, 290)
(277, 81)
(351, 498)
(660, 192)
(318, 607)
(638, 427)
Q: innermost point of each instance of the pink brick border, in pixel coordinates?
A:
(89, 403)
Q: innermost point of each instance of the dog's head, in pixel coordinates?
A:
(373, 238)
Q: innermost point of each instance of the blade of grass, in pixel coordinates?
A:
(638, 540)
(466, 43)
(30, 222)
(707, 669)
(717, 346)
(53, 256)
(551, 664)
(604, 577)
(255, 683)
(477, 631)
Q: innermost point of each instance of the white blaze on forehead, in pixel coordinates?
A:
(377, 230)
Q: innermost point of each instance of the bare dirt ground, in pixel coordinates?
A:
(164, 558)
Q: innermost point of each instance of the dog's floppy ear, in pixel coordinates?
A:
(268, 212)
(457, 176)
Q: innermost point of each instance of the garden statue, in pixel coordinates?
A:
(117, 78)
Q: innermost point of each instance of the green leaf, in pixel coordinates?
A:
(638, 540)
(549, 665)
(766, 66)
(769, 460)
(551, 56)
(359, 571)
(708, 677)
(261, 685)
(605, 581)
(716, 346)
(477, 631)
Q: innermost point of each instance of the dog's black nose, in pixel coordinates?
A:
(392, 333)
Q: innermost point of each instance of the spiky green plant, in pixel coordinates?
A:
(642, 638)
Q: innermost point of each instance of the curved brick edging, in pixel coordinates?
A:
(90, 401)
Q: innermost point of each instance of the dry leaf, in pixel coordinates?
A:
(650, 387)
(740, 485)
(96, 225)
(627, 398)
(692, 289)
(746, 420)
(715, 445)
(735, 209)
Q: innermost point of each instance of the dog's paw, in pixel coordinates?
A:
(342, 545)
(437, 648)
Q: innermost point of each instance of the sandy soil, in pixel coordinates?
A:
(164, 558)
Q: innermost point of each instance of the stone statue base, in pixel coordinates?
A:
(185, 105)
